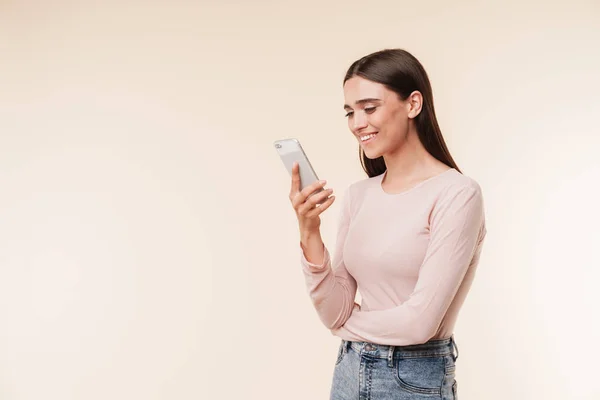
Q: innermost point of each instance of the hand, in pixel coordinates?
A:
(308, 204)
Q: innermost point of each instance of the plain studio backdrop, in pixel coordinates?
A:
(148, 249)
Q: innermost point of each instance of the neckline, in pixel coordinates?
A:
(410, 189)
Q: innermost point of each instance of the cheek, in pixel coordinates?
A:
(397, 123)
(381, 121)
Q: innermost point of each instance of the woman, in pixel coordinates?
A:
(410, 236)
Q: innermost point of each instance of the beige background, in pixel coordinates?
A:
(147, 246)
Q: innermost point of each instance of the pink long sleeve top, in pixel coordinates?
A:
(412, 256)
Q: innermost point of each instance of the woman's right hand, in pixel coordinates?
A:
(309, 208)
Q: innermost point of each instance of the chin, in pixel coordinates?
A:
(372, 152)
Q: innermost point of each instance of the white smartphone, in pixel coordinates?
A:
(290, 151)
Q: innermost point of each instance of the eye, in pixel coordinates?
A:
(370, 110)
(349, 114)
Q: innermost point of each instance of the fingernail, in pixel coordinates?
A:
(323, 182)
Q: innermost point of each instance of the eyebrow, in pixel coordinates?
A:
(362, 101)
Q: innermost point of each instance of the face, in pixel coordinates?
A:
(378, 118)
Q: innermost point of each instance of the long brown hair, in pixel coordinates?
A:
(402, 73)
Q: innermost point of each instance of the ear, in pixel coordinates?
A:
(415, 104)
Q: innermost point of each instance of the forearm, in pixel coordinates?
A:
(312, 246)
(331, 289)
(332, 292)
(399, 327)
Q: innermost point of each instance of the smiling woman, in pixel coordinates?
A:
(410, 237)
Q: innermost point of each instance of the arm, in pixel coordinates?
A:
(455, 229)
(331, 288)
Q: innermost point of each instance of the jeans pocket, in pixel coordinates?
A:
(421, 375)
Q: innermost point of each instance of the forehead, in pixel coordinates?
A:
(357, 88)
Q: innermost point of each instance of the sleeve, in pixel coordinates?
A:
(331, 288)
(456, 226)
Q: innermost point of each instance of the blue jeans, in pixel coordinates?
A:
(366, 371)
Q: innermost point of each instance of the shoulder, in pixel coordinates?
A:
(456, 183)
(459, 194)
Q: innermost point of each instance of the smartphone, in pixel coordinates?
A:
(290, 151)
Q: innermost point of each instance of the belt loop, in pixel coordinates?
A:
(347, 345)
(455, 347)
(390, 356)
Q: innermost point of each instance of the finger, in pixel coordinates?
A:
(312, 188)
(295, 179)
(320, 209)
(320, 197)
(298, 198)
(313, 200)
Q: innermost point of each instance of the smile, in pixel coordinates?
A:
(367, 138)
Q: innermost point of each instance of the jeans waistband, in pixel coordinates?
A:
(435, 347)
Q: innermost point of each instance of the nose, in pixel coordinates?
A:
(359, 121)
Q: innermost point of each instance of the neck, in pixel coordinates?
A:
(410, 161)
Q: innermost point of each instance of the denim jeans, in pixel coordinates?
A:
(367, 371)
